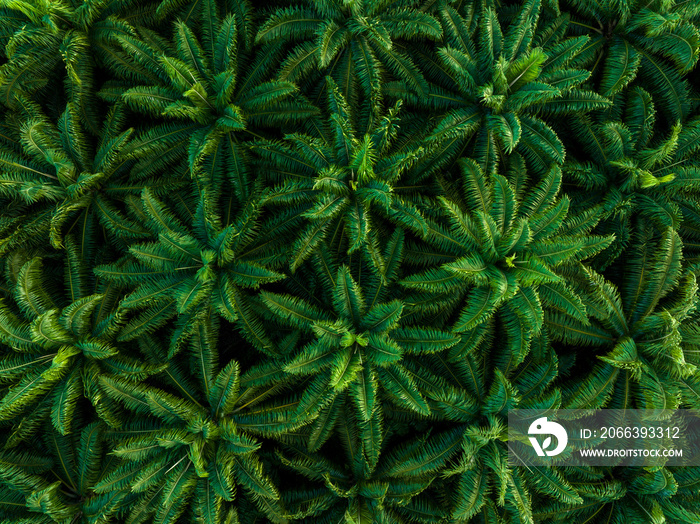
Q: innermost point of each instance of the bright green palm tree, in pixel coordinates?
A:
(341, 183)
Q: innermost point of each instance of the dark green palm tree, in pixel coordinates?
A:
(648, 44)
(74, 463)
(196, 451)
(495, 88)
(192, 272)
(353, 42)
(55, 180)
(44, 41)
(53, 352)
(208, 87)
(634, 175)
(641, 332)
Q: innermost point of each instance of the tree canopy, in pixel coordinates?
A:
(295, 261)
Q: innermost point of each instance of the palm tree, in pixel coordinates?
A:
(494, 89)
(353, 42)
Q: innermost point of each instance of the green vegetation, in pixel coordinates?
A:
(293, 262)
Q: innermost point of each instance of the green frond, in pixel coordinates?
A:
(415, 461)
(30, 293)
(399, 385)
(293, 310)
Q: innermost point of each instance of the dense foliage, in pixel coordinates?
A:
(295, 261)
